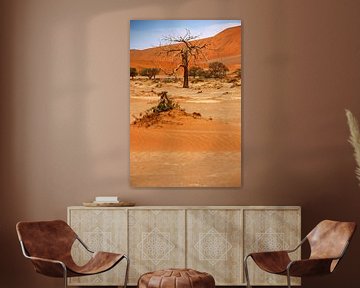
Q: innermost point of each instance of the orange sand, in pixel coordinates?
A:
(186, 134)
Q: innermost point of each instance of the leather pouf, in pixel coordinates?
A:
(176, 278)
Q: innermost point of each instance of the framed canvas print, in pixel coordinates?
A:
(185, 103)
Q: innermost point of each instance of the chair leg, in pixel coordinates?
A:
(65, 276)
(127, 271)
(288, 278)
(246, 272)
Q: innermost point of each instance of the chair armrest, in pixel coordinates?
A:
(48, 267)
(83, 244)
(298, 246)
(271, 261)
(281, 251)
(45, 260)
(309, 267)
(268, 253)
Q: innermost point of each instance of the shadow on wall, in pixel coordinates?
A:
(59, 149)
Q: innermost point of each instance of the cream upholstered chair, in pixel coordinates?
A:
(328, 242)
(48, 245)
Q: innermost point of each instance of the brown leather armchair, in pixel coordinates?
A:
(328, 242)
(48, 245)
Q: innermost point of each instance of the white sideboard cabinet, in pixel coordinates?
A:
(211, 239)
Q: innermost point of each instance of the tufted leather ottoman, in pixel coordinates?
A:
(176, 278)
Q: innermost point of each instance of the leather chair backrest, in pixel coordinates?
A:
(46, 239)
(329, 239)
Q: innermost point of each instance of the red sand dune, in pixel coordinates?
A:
(176, 131)
(224, 47)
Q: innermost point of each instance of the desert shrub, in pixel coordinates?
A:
(206, 74)
(164, 104)
(195, 71)
(154, 115)
(133, 72)
(218, 69)
(237, 72)
(150, 72)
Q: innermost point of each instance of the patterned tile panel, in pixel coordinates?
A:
(270, 230)
(213, 246)
(100, 230)
(214, 242)
(156, 246)
(157, 241)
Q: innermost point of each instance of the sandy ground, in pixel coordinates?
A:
(187, 151)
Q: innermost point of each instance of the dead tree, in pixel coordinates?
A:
(184, 48)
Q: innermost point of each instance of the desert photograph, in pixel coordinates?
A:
(185, 103)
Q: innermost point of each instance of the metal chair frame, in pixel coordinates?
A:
(288, 276)
(23, 249)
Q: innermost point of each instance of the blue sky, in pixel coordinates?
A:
(149, 33)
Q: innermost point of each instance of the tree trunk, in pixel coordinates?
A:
(186, 77)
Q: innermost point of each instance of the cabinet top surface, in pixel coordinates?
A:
(193, 207)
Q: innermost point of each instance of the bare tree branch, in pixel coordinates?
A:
(186, 49)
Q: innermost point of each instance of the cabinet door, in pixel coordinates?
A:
(100, 230)
(214, 244)
(156, 240)
(270, 230)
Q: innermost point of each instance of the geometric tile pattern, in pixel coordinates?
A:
(156, 246)
(270, 230)
(98, 240)
(269, 241)
(156, 241)
(213, 246)
(101, 230)
(214, 243)
(211, 239)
